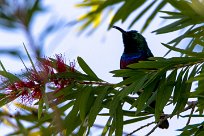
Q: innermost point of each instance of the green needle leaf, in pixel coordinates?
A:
(86, 68)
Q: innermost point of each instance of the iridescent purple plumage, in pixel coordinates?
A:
(127, 59)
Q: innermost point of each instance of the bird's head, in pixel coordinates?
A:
(132, 39)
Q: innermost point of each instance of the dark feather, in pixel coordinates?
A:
(136, 49)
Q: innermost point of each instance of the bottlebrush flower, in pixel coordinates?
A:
(30, 88)
(72, 66)
(28, 91)
(61, 66)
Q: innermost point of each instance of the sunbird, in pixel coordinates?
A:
(135, 50)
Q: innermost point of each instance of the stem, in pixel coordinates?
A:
(191, 105)
(31, 41)
(189, 119)
(160, 122)
(96, 83)
(141, 128)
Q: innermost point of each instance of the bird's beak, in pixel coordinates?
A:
(120, 29)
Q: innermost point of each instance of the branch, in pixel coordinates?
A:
(96, 83)
(191, 105)
(189, 119)
(141, 128)
(159, 123)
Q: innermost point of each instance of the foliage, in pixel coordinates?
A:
(20, 15)
(67, 101)
(188, 15)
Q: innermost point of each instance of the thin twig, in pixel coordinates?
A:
(96, 83)
(192, 110)
(191, 104)
(141, 128)
(159, 123)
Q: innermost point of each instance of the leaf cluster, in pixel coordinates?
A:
(21, 15)
(73, 109)
(186, 16)
(166, 81)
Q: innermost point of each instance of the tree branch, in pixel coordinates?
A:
(141, 128)
(191, 105)
(159, 123)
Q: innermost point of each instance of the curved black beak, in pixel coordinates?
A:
(120, 29)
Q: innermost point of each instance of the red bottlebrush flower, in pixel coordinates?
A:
(29, 94)
(30, 84)
(61, 83)
(61, 66)
(45, 62)
(39, 76)
(37, 93)
(11, 87)
(46, 65)
(20, 84)
(32, 88)
(34, 76)
(25, 96)
(72, 66)
(27, 91)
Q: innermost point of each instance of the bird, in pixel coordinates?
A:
(135, 50)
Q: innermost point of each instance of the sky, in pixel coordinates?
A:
(101, 50)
